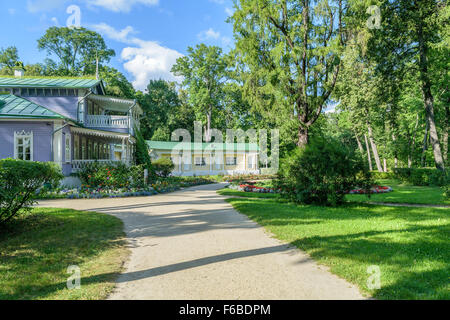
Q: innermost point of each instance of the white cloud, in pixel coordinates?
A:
(144, 59)
(208, 35)
(12, 11)
(229, 11)
(110, 32)
(120, 5)
(149, 60)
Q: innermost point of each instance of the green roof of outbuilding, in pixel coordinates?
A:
(15, 107)
(163, 145)
(36, 82)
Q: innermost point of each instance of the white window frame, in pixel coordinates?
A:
(200, 162)
(23, 135)
(68, 148)
(231, 163)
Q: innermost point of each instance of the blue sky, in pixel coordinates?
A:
(147, 35)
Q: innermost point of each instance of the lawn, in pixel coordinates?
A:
(36, 250)
(410, 245)
(405, 194)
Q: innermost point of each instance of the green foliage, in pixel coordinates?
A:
(322, 173)
(142, 154)
(163, 167)
(204, 73)
(447, 191)
(116, 84)
(19, 182)
(8, 59)
(291, 52)
(77, 50)
(381, 175)
(111, 175)
(422, 177)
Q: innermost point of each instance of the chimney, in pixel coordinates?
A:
(19, 73)
(19, 70)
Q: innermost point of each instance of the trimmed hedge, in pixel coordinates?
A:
(19, 182)
(422, 177)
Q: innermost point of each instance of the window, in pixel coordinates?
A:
(68, 153)
(16, 91)
(231, 161)
(23, 145)
(200, 162)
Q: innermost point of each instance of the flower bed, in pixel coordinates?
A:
(376, 189)
(258, 189)
(252, 188)
(87, 192)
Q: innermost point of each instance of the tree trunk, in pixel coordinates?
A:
(428, 97)
(374, 149)
(425, 145)
(411, 151)
(303, 136)
(368, 153)
(360, 147)
(208, 126)
(385, 165)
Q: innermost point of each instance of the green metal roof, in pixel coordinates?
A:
(65, 83)
(15, 107)
(163, 145)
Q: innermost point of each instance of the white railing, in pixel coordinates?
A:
(79, 164)
(117, 122)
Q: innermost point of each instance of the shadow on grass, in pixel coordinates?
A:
(36, 249)
(409, 244)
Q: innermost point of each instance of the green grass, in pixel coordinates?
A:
(236, 193)
(404, 194)
(410, 245)
(37, 248)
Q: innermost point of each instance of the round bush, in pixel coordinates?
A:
(322, 173)
(19, 182)
(163, 167)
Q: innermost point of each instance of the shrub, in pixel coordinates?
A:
(421, 177)
(382, 175)
(322, 173)
(19, 182)
(111, 175)
(163, 167)
(447, 192)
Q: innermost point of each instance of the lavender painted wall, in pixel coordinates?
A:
(42, 131)
(66, 106)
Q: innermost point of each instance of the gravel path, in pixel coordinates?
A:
(192, 244)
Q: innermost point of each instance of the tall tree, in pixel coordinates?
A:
(159, 102)
(8, 59)
(204, 72)
(410, 29)
(292, 51)
(77, 50)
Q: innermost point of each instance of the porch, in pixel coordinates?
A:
(91, 146)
